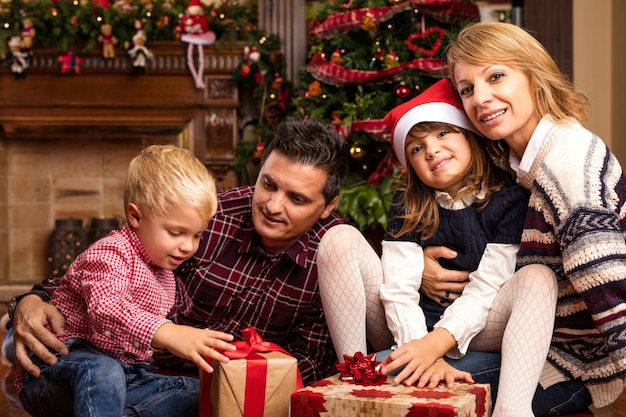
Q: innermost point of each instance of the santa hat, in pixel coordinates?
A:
(438, 103)
(194, 3)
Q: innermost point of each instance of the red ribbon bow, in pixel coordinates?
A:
(256, 371)
(360, 368)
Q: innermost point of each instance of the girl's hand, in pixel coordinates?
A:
(443, 371)
(416, 357)
(196, 345)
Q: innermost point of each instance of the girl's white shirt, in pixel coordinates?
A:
(403, 267)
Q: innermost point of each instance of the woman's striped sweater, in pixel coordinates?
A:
(576, 224)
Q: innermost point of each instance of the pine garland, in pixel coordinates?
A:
(74, 25)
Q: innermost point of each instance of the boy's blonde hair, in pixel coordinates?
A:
(166, 176)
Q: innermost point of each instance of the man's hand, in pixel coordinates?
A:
(31, 336)
(438, 283)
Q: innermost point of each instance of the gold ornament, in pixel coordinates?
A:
(356, 151)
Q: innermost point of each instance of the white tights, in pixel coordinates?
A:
(520, 322)
(350, 275)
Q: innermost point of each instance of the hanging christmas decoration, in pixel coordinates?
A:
(314, 89)
(403, 91)
(196, 33)
(336, 58)
(356, 151)
(248, 72)
(424, 35)
(391, 60)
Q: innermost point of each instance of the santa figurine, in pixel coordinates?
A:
(139, 53)
(195, 31)
(19, 59)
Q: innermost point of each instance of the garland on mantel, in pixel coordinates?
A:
(126, 27)
(76, 27)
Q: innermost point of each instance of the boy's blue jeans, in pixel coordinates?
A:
(86, 382)
(563, 398)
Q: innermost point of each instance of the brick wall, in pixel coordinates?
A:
(43, 180)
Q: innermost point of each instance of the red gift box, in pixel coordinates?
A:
(334, 397)
(257, 382)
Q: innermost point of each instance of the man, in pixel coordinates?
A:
(256, 264)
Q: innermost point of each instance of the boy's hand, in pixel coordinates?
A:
(196, 345)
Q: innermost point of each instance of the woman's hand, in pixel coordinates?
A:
(440, 284)
(31, 335)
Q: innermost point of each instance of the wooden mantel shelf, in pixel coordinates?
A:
(108, 97)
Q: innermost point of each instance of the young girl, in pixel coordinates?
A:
(453, 195)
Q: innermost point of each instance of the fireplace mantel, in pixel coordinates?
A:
(66, 140)
(108, 97)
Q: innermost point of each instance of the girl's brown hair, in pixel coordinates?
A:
(421, 211)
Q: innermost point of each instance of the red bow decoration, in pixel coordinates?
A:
(360, 368)
(256, 370)
(70, 63)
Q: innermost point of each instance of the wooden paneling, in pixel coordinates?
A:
(551, 23)
(107, 95)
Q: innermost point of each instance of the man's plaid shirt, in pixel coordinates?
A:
(231, 284)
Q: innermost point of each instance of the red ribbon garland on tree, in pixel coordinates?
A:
(331, 73)
(442, 10)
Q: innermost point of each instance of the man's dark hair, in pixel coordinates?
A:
(312, 142)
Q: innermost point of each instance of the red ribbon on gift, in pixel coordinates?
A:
(360, 368)
(256, 371)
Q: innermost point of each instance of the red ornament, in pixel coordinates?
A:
(403, 91)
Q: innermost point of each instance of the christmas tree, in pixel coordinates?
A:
(365, 58)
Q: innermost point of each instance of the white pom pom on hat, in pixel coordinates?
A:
(438, 103)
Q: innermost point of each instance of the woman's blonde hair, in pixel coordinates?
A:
(507, 44)
(166, 176)
(421, 211)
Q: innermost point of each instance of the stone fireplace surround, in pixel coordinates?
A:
(66, 140)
